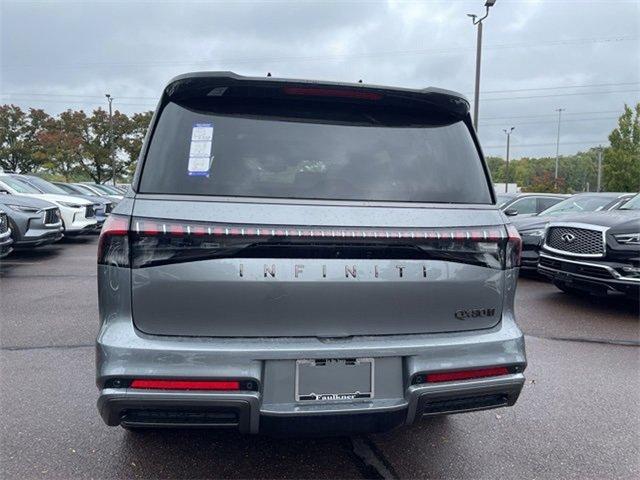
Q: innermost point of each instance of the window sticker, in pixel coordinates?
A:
(200, 156)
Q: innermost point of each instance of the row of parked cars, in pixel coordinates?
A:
(584, 243)
(35, 212)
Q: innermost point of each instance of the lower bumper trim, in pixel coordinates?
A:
(343, 424)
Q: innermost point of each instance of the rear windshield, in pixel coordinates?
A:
(202, 153)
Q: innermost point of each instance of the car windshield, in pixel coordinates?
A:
(110, 189)
(67, 188)
(44, 186)
(18, 185)
(501, 200)
(633, 204)
(99, 188)
(84, 190)
(266, 157)
(580, 203)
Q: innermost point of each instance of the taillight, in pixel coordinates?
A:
(514, 247)
(211, 385)
(113, 245)
(159, 242)
(460, 375)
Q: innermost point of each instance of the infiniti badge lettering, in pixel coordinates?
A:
(300, 271)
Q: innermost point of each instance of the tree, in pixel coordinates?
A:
(96, 150)
(61, 144)
(19, 137)
(546, 182)
(621, 166)
(496, 168)
(132, 142)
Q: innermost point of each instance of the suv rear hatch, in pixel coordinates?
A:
(277, 208)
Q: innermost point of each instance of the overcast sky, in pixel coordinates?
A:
(583, 56)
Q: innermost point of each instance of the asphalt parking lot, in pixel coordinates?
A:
(578, 416)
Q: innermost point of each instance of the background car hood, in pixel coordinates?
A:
(93, 199)
(612, 218)
(25, 201)
(63, 198)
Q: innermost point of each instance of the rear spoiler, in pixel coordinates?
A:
(223, 84)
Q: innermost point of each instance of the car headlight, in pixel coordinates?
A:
(628, 238)
(20, 208)
(538, 232)
(69, 204)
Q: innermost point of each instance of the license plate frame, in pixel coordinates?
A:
(336, 379)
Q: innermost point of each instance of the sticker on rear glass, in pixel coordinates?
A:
(200, 150)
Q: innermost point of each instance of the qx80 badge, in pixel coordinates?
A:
(475, 313)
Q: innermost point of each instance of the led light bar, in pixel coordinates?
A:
(168, 227)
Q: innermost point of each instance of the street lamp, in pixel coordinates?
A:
(478, 21)
(113, 159)
(506, 174)
(555, 177)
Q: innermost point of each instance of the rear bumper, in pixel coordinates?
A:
(242, 411)
(125, 353)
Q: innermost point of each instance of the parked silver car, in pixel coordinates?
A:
(5, 235)
(300, 256)
(33, 222)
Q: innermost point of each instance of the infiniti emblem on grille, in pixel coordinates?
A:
(568, 237)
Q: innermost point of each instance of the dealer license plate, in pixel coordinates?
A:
(322, 380)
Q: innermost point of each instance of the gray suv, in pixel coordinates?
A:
(298, 256)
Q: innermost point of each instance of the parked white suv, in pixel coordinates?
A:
(78, 215)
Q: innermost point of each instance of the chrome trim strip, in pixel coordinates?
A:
(614, 273)
(583, 226)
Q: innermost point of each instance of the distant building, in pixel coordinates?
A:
(512, 188)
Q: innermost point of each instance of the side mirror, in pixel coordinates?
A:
(4, 192)
(511, 212)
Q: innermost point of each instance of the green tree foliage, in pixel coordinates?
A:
(132, 141)
(96, 160)
(19, 132)
(578, 173)
(73, 145)
(621, 168)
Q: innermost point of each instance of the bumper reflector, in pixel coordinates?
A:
(185, 384)
(465, 374)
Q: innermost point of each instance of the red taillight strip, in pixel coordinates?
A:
(332, 92)
(465, 374)
(477, 234)
(185, 384)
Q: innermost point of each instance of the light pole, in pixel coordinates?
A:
(555, 177)
(113, 159)
(506, 175)
(599, 169)
(476, 95)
